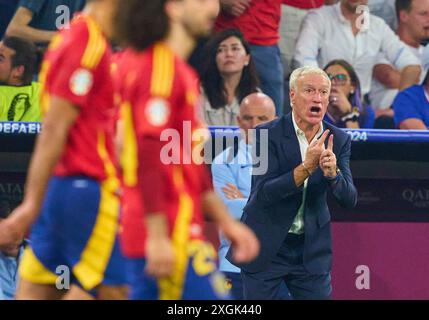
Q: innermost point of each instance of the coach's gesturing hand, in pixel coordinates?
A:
(328, 160)
(314, 151)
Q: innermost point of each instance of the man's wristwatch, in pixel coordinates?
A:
(352, 116)
(306, 169)
(338, 171)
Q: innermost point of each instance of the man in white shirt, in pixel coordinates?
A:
(347, 31)
(413, 29)
(293, 13)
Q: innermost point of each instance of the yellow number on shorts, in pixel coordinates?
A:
(204, 257)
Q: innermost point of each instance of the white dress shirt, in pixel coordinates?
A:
(298, 224)
(382, 97)
(327, 35)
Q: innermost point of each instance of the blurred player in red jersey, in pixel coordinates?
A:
(72, 179)
(162, 223)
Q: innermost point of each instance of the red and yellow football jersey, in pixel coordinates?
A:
(162, 171)
(77, 68)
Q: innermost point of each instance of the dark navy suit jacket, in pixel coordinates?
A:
(275, 199)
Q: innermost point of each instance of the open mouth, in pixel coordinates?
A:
(315, 110)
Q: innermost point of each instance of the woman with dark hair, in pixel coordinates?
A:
(228, 76)
(347, 108)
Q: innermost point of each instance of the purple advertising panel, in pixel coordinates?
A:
(380, 260)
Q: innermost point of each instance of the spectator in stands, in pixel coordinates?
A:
(348, 31)
(411, 106)
(9, 261)
(232, 171)
(229, 75)
(19, 96)
(346, 108)
(7, 10)
(37, 20)
(413, 29)
(259, 21)
(293, 13)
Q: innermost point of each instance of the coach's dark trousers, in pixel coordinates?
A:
(287, 267)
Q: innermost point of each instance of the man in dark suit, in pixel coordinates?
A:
(287, 207)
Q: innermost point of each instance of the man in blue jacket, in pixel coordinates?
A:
(9, 260)
(287, 207)
(232, 172)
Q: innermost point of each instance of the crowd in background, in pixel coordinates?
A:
(374, 55)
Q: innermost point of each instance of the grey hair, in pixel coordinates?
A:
(297, 73)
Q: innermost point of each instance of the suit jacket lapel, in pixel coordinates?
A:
(290, 144)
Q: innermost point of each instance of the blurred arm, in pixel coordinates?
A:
(409, 76)
(50, 143)
(387, 75)
(412, 124)
(19, 27)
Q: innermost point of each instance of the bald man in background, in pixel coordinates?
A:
(232, 171)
